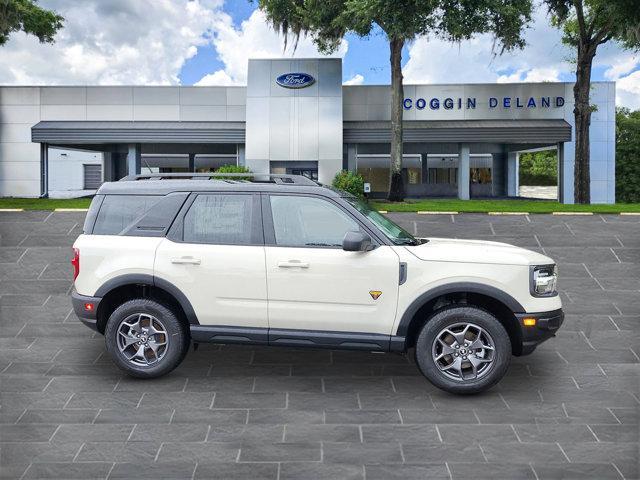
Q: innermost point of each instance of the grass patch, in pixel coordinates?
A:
(435, 205)
(44, 203)
(484, 206)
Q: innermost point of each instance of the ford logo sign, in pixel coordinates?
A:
(295, 80)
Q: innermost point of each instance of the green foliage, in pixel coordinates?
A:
(539, 168)
(233, 169)
(328, 21)
(28, 17)
(349, 182)
(593, 22)
(627, 156)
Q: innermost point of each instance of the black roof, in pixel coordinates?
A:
(163, 184)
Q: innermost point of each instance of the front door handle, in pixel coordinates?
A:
(293, 264)
(186, 261)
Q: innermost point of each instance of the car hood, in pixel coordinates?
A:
(476, 251)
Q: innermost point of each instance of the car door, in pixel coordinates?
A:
(313, 283)
(214, 254)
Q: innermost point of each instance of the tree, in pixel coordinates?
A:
(627, 156)
(28, 17)
(587, 24)
(327, 21)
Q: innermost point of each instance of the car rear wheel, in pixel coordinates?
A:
(145, 338)
(463, 349)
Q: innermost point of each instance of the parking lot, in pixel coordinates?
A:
(569, 410)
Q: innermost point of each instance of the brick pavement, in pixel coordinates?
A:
(570, 410)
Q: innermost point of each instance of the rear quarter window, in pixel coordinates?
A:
(118, 212)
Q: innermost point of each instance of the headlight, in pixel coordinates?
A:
(544, 280)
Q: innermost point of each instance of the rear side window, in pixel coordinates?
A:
(118, 212)
(220, 219)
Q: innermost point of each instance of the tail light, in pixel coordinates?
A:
(75, 261)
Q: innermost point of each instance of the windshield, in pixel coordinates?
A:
(396, 234)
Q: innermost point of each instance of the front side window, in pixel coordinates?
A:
(309, 222)
(220, 219)
(393, 232)
(118, 212)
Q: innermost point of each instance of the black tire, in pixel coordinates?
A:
(448, 317)
(172, 355)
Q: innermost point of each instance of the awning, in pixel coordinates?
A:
(453, 131)
(137, 132)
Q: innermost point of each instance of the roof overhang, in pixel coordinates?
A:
(58, 132)
(476, 131)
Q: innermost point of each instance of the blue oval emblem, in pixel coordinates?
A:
(295, 80)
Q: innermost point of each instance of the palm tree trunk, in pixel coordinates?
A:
(582, 115)
(396, 185)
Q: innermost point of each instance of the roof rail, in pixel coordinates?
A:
(259, 177)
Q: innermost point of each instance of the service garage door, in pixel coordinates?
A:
(92, 177)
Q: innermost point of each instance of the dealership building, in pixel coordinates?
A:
(295, 116)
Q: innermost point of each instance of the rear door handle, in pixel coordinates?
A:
(186, 261)
(293, 264)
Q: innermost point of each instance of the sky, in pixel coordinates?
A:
(208, 42)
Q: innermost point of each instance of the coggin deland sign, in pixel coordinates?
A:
(469, 103)
(302, 80)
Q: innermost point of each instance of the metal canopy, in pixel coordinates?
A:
(137, 132)
(453, 131)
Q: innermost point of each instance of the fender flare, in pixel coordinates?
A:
(152, 281)
(465, 287)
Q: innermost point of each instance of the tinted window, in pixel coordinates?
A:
(118, 212)
(219, 219)
(308, 221)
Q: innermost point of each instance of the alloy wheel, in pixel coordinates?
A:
(142, 339)
(463, 352)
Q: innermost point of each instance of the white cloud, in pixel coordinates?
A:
(253, 39)
(628, 91)
(531, 75)
(114, 42)
(219, 77)
(436, 61)
(357, 79)
(622, 65)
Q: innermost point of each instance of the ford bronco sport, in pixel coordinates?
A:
(166, 260)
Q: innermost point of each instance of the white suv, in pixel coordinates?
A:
(281, 260)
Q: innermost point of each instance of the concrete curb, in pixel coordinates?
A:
(436, 213)
(11, 209)
(71, 210)
(630, 214)
(572, 213)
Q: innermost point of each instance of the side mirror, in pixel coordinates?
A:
(357, 242)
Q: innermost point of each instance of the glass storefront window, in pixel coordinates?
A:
(480, 175)
(443, 175)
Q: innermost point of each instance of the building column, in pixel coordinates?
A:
(133, 159)
(513, 167)
(240, 157)
(192, 162)
(352, 152)
(561, 176)
(44, 170)
(463, 171)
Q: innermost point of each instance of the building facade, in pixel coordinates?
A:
(295, 116)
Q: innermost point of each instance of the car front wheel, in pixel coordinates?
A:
(463, 349)
(145, 338)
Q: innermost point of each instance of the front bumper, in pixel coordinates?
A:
(88, 317)
(547, 323)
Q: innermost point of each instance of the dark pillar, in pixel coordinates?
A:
(44, 170)
(192, 162)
